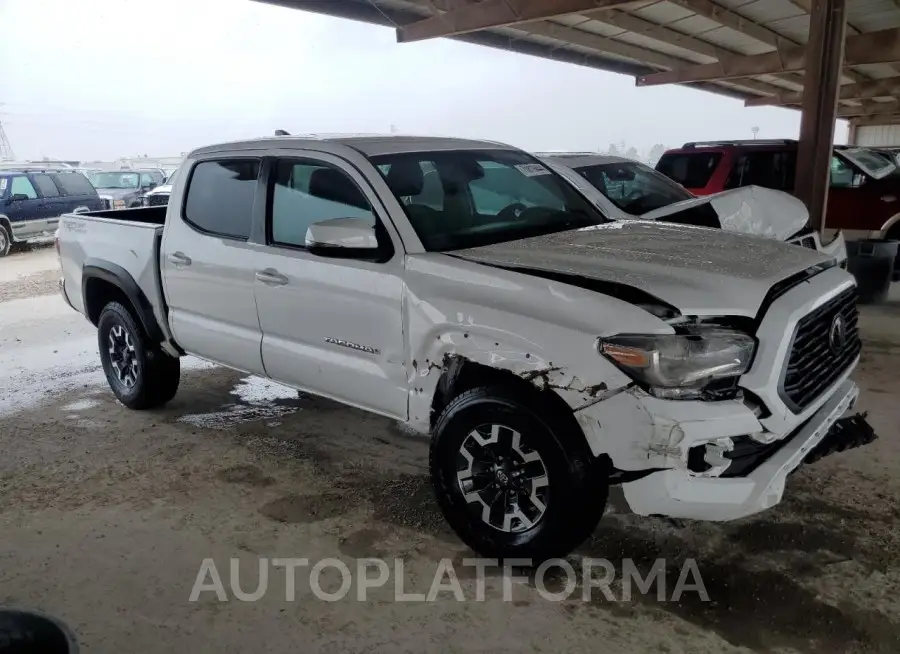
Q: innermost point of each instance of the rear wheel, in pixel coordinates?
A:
(511, 478)
(140, 373)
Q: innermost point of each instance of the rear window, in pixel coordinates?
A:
(690, 169)
(75, 184)
(220, 196)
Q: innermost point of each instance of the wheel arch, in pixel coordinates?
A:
(103, 281)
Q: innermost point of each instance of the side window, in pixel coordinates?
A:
(21, 186)
(771, 169)
(841, 173)
(46, 186)
(307, 192)
(220, 196)
(74, 184)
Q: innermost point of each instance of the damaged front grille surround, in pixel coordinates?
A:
(825, 344)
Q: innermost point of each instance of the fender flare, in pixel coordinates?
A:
(122, 279)
(6, 222)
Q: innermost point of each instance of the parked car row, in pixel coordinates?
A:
(625, 189)
(32, 200)
(476, 294)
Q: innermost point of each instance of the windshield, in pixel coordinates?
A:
(468, 198)
(171, 178)
(633, 187)
(115, 180)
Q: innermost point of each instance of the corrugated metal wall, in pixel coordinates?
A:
(878, 135)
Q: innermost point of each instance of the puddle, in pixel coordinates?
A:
(81, 405)
(256, 399)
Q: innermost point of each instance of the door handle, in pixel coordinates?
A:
(179, 259)
(271, 277)
(888, 198)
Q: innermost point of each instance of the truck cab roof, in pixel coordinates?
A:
(369, 145)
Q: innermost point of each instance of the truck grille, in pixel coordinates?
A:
(158, 200)
(825, 343)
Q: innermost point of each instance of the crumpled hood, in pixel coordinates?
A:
(699, 271)
(119, 193)
(748, 210)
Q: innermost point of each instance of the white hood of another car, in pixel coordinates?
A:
(749, 210)
(699, 271)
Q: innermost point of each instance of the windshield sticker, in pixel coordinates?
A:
(2, 185)
(532, 169)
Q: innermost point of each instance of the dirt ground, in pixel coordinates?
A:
(106, 516)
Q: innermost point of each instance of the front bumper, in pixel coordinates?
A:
(680, 493)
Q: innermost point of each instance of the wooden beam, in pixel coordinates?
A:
(870, 121)
(663, 34)
(871, 48)
(495, 13)
(735, 21)
(606, 44)
(871, 108)
(875, 88)
(822, 79)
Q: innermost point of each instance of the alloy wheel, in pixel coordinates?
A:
(123, 356)
(502, 478)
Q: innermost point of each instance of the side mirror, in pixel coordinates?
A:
(150, 186)
(16, 198)
(341, 237)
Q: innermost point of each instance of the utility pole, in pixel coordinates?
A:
(6, 151)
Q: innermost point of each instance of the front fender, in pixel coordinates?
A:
(542, 331)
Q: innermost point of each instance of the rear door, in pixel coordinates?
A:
(209, 265)
(330, 325)
(54, 204)
(858, 203)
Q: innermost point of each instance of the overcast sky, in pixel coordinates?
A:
(100, 79)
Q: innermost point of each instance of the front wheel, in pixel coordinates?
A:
(5, 241)
(139, 372)
(512, 479)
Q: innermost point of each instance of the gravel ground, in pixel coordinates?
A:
(106, 516)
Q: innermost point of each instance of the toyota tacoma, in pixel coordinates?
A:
(469, 291)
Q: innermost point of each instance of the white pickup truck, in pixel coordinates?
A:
(466, 289)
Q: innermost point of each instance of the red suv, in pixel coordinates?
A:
(863, 201)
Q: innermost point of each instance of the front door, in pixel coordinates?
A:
(208, 264)
(330, 326)
(27, 211)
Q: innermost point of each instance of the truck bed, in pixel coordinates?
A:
(149, 215)
(125, 241)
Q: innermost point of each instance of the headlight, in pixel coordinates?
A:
(679, 366)
(118, 204)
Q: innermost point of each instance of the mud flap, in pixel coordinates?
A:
(845, 434)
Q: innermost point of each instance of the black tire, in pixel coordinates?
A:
(894, 235)
(27, 632)
(576, 490)
(5, 241)
(154, 379)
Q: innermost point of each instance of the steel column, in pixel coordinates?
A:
(824, 57)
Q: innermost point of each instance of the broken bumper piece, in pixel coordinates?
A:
(679, 493)
(847, 433)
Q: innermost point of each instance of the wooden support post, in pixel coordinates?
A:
(824, 58)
